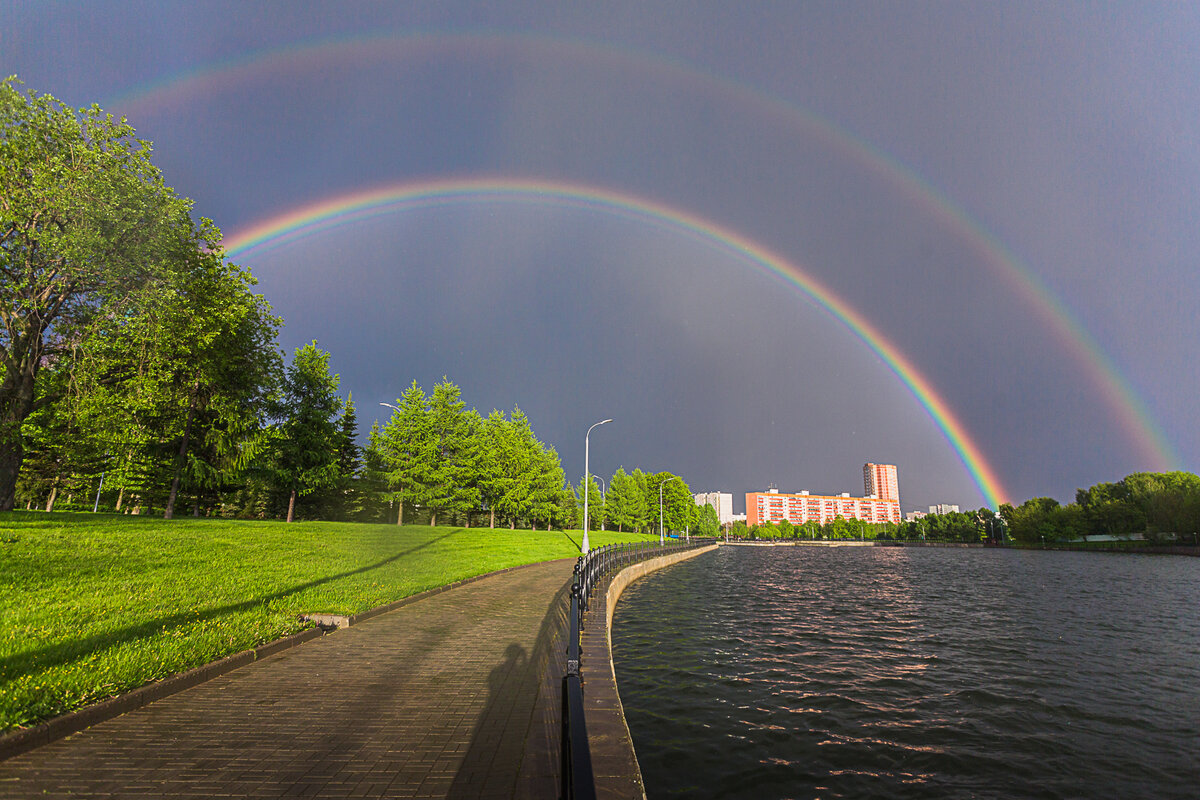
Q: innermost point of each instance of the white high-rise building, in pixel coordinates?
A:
(722, 503)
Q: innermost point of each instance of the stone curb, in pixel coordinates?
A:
(25, 739)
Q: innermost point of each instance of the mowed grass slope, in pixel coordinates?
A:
(95, 605)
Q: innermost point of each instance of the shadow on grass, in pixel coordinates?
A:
(64, 652)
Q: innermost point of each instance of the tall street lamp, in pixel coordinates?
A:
(586, 485)
(661, 540)
(603, 500)
(400, 514)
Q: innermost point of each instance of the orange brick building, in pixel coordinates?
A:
(882, 503)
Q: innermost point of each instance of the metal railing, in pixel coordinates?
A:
(577, 780)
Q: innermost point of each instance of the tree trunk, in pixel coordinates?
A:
(16, 403)
(50, 501)
(18, 378)
(169, 512)
(492, 515)
(432, 518)
(512, 524)
(120, 497)
(292, 506)
(196, 507)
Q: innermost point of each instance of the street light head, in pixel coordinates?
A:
(605, 421)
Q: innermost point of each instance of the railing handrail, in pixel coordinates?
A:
(577, 779)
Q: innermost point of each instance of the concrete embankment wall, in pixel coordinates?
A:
(614, 761)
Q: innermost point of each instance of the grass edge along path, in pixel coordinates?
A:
(94, 606)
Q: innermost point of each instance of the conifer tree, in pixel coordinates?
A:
(305, 447)
(406, 449)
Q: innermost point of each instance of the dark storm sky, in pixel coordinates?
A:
(898, 153)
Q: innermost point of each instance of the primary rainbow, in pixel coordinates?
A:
(336, 211)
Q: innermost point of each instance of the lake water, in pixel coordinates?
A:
(754, 672)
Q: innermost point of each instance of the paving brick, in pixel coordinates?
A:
(454, 695)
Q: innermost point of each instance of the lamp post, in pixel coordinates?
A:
(586, 485)
(400, 513)
(603, 500)
(661, 540)
(96, 505)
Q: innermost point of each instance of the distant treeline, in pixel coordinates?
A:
(1162, 506)
(1157, 506)
(953, 527)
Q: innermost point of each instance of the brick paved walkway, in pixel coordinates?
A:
(453, 696)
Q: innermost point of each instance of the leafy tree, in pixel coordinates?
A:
(1110, 509)
(86, 222)
(647, 506)
(304, 454)
(225, 368)
(1169, 501)
(570, 512)
(678, 503)
(624, 500)
(708, 524)
(1033, 520)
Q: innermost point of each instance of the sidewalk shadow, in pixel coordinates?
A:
(513, 750)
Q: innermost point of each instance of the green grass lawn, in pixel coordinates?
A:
(92, 605)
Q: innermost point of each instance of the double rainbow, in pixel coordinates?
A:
(180, 90)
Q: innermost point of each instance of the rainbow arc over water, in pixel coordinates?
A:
(334, 212)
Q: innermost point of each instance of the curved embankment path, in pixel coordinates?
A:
(614, 761)
(454, 695)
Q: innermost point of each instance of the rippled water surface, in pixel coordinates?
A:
(914, 672)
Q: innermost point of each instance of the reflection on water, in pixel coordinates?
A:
(890, 672)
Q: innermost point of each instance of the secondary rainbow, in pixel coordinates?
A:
(341, 210)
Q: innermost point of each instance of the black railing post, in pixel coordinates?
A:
(573, 641)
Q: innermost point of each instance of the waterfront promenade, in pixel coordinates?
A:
(454, 695)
